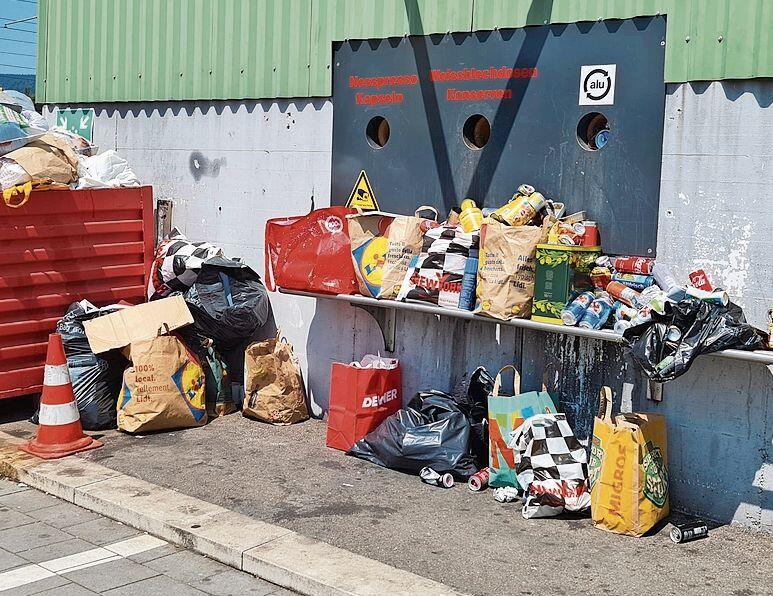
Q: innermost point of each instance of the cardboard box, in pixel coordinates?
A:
(136, 323)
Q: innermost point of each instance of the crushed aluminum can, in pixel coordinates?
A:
(638, 265)
(507, 494)
(478, 481)
(430, 476)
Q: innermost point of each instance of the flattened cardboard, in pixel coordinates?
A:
(137, 323)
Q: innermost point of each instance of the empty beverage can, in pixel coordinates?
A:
(623, 293)
(430, 476)
(700, 279)
(689, 532)
(720, 298)
(633, 280)
(591, 236)
(478, 481)
(574, 311)
(640, 265)
(597, 314)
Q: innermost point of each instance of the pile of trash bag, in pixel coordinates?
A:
(666, 347)
(435, 430)
(34, 153)
(96, 379)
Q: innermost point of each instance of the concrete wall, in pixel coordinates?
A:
(228, 166)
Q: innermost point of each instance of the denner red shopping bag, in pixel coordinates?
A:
(310, 253)
(362, 395)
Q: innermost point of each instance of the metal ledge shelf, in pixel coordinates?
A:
(387, 323)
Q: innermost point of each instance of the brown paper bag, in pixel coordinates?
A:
(163, 389)
(383, 245)
(47, 158)
(506, 269)
(273, 387)
(404, 241)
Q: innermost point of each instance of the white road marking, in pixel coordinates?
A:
(89, 558)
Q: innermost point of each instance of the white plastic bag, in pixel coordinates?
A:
(378, 362)
(11, 174)
(106, 170)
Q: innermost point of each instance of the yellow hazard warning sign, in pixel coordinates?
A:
(362, 196)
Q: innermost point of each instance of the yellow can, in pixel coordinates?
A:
(471, 217)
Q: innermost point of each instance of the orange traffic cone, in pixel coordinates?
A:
(60, 432)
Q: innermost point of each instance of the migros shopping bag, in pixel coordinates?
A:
(163, 389)
(628, 470)
(505, 414)
(362, 395)
(310, 253)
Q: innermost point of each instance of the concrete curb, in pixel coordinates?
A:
(270, 552)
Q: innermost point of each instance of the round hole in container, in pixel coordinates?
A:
(377, 132)
(593, 132)
(476, 131)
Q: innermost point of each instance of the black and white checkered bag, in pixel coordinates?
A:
(552, 465)
(435, 275)
(177, 263)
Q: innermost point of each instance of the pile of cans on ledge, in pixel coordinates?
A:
(627, 289)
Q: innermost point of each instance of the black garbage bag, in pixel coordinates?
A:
(432, 430)
(666, 347)
(473, 401)
(228, 302)
(96, 378)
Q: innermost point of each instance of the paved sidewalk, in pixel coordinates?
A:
(49, 546)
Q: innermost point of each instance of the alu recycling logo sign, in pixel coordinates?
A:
(597, 85)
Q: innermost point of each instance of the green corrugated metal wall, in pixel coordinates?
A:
(141, 50)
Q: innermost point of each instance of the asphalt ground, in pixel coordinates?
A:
(286, 476)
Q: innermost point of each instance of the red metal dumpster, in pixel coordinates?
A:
(63, 246)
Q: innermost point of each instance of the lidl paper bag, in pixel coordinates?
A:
(163, 389)
(383, 245)
(628, 470)
(506, 269)
(273, 388)
(405, 238)
(505, 414)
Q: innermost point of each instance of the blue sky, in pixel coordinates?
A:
(13, 41)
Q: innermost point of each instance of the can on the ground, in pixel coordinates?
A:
(574, 311)
(688, 532)
(430, 476)
(478, 481)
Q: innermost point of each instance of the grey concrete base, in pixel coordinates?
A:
(268, 551)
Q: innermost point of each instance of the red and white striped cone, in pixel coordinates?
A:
(59, 432)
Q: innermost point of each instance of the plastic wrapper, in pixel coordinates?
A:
(96, 379)
(15, 130)
(77, 143)
(666, 347)
(434, 430)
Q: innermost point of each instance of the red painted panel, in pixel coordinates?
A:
(63, 246)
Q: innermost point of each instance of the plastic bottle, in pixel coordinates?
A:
(471, 218)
